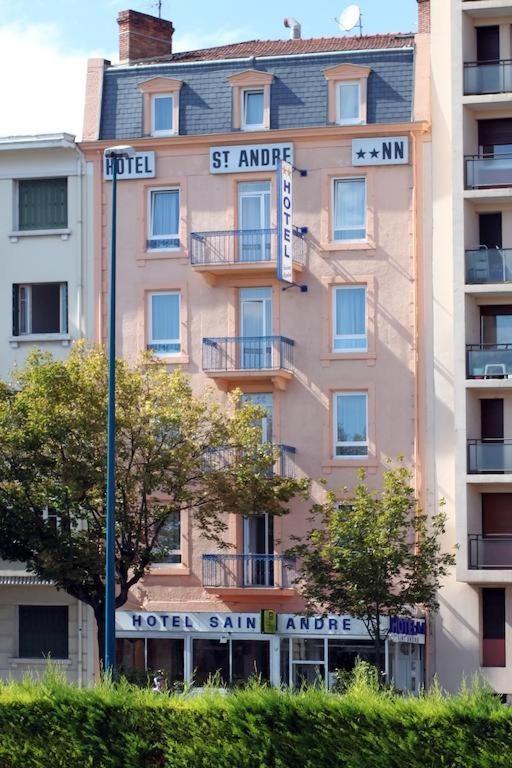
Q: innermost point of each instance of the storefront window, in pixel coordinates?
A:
(250, 658)
(210, 660)
(308, 649)
(343, 654)
(166, 657)
(140, 658)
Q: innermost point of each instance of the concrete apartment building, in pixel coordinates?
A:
(471, 362)
(197, 285)
(46, 296)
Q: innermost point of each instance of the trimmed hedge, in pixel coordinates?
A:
(52, 725)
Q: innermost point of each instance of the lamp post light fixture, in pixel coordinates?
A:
(114, 154)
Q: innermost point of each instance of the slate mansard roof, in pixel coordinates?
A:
(298, 92)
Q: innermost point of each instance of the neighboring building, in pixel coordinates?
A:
(336, 367)
(471, 358)
(46, 296)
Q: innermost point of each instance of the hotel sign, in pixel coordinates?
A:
(141, 166)
(387, 150)
(285, 223)
(249, 157)
(407, 630)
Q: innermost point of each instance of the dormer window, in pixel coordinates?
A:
(162, 115)
(252, 109)
(346, 94)
(349, 103)
(161, 108)
(251, 100)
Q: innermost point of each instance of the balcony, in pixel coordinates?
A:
(488, 457)
(488, 266)
(249, 358)
(487, 171)
(487, 77)
(489, 551)
(482, 9)
(489, 361)
(248, 572)
(241, 251)
(284, 464)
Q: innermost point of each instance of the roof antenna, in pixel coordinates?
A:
(349, 18)
(158, 5)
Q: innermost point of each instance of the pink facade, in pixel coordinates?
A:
(379, 367)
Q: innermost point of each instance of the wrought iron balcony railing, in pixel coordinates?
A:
(249, 571)
(490, 551)
(224, 458)
(489, 361)
(248, 353)
(487, 77)
(241, 246)
(487, 456)
(488, 265)
(489, 170)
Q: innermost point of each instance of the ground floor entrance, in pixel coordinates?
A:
(230, 648)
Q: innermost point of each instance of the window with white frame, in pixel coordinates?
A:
(164, 323)
(40, 308)
(252, 109)
(51, 517)
(162, 108)
(349, 219)
(348, 107)
(349, 319)
(169, 540)
(164, 219)
(350, 411)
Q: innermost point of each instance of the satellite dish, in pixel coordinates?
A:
(350, 18)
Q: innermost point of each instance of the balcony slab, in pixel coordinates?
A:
(489, 289)
(489, 383)
(484, 102)
(489, 478)
(214, 273)
(480, 9)
(232, 379)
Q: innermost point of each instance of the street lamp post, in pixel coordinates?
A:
(114, 154)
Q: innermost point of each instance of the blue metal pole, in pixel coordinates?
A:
(110, 543)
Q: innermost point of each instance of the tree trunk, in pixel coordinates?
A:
(100, 625)
(380, 660)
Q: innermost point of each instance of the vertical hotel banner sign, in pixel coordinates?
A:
(285, 222)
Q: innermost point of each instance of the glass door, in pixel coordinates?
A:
(258, 551)
(256, 327)
(254, 220)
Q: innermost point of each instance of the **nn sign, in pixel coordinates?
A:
(141, 166)
(249, 157)
(388, 150)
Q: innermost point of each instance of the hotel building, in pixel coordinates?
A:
(336, 364)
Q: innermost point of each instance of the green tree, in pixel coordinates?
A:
(175, 451)
(374, 554)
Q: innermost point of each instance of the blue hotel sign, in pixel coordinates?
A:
(407, 630)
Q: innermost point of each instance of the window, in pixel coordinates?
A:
(43, 631)
(349, 319)
(42, 204)
(164, 219)
(162, 115)
(493, 627)
(349, 209)
(164, 323)
(169, 540)
(252, 109)
(51, 517)
(40, 308)
(350, 424)
(349, 103)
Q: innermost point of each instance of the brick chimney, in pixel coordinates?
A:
(143, 37)
(423, 17)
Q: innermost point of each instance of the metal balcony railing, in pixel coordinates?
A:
(241, 246)
(487, 456)
(489, 361)
(245, 571)
(488, 265)
(489, 551)
(487, 77)
(224, 458)
(248, 353)
(489, 170)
